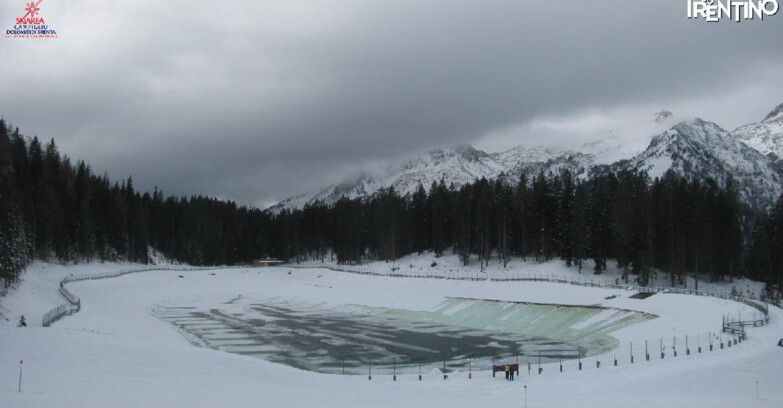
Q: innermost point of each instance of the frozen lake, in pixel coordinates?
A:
(464, 333)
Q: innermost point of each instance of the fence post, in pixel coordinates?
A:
(445, 376)
(21, 363)
(540, 369)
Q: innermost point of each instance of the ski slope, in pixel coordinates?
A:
(116, 352)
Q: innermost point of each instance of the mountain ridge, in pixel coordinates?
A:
(693, 148)
(765, 136)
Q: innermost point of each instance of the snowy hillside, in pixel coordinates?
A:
(765, 136)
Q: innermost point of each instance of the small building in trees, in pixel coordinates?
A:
(267, 262)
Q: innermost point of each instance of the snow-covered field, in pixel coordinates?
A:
(117, 351)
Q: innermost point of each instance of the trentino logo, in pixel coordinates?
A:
(31, 25)
(737, 10)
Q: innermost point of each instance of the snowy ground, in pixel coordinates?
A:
(117, 352)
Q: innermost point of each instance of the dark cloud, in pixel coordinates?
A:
(257, 101)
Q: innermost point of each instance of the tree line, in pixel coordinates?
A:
(53, 209)
(669, 224)
(765, 256)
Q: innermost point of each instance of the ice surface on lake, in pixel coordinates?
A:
(587, 327)
(458, 330)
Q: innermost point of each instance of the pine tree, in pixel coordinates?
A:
(348, 231)
(564, 213)
(420, 225)
(438, 204)
(482, 213)
(13, 236)
(503, 218)
(542, 205)
(578, 228)
(600, 220)
(462, 221)
(521, 211)
(390, 225)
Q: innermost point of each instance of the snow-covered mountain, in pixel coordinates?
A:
(456, 165)
(698, 149)
(765, 136)
(513, 157)
(532, 160)
(662, 116)
(459, 165)
(362, 186)
(692, 148)
(579, 164)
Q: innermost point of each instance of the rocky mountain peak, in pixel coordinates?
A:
(765, 136)
(461, 151)
(775, 116)
(661, 116)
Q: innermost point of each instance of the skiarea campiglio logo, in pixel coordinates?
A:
(31, 24)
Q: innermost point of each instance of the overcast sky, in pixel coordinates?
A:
(257, 101)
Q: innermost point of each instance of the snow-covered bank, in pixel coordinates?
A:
(116, 353)
(39, 289)
(450, 266)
